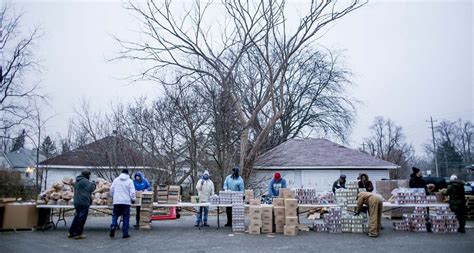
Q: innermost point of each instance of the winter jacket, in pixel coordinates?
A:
(416, 182)
(455, 191)
(367, 184)
(337, 185)
(83, 191)
(122, 190)
(142, 184)
(205, 190)
(275, 186)
(231, 184)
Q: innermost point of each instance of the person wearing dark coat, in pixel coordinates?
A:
(457, 201)
(340, 183)
(365, 183)
(416, 181)
(83, 189)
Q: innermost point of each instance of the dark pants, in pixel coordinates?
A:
(124, 211)
(460, 212)
(80, 217)
(228, 210)
(137, 216)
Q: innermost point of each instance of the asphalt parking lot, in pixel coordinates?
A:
(181, 236)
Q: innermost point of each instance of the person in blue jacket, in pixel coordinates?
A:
(141, 184)
(276, 184)
(233, 182)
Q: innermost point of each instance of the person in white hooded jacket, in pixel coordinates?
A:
(123, 194)
(205, 188)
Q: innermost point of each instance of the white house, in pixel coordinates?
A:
(317, 163)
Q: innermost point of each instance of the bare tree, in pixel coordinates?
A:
(256, 36)
(388, 142)
(17, 62)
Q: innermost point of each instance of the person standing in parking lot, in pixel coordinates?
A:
(457, 201)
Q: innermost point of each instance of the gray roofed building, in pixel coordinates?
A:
(317, 163)
(318, 153)
(23, 158)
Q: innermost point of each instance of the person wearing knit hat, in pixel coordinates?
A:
(416, 181)
(233, 182)
(276, 184)
(340, 183)
(457, 201)
(205, 188)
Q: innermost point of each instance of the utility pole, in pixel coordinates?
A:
(434, 144)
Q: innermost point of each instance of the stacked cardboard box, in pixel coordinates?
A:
(267, 219)
(255, 214)
(413, 222)
(162, 194)
(279, 211)
(311, 196)
(146, 209)
(174, 194)
(291, 217)
(248, 195)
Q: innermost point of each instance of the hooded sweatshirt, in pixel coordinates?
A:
(83, 191)
(205, 190)
(142, 184)
(231, 184)
(367, 184)
(123, 190)
(275, 186)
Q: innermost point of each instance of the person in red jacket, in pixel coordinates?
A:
(364, 182)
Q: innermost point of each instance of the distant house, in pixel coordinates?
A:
(104, 157)
(23, 161)
(317, 163)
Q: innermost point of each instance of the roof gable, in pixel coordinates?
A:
(312, 152)
(110, 151)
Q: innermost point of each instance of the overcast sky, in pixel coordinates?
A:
(410, 59)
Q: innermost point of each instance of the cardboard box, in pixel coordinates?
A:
(173, 197)
(162, 193)
(145, 227)
(290, 230)
(291, 203)
(267, 229)
(286, 193)
(280, 220)
(278, 202)
(255, 217)
(291, 221)
(174, 188)
(255, 210)
(248, 195)
(256, 223)
(138, 194)
(194, 199)
(255, 202)
(267, 223)
(291, 212)
(267, 210)
(20, 215)
(254, 230)
(279, 228)
(279, 211)
(267, 217)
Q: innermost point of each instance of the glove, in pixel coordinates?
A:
(133, 202)
(357, 214)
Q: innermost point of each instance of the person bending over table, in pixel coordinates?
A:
(205, 188)
(233, 182)
(276, 184)
(141, 184)
(82, 201)
(375, 205)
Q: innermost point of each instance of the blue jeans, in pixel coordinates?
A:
(198, 216)
(80, 217)
(124, 211)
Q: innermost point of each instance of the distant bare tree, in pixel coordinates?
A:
(388, 142)
(18, 61)
(256, 36)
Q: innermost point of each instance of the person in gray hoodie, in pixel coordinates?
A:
(82, 200)
(123, 194)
